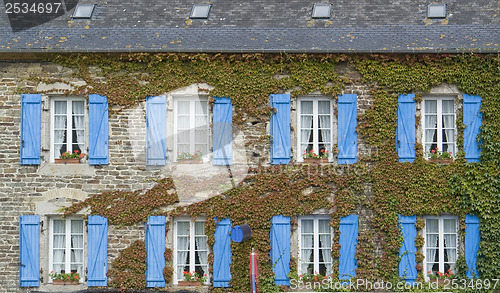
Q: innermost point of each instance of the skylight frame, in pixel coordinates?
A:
(321, 11)
(436, 11)
(83, 11)
(200, 11)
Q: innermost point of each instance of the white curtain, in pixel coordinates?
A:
(307, 244)
(59, 127)
(201, 245)
(306, 124)
(77, 246)
(448, 124)
(182, 247)
(79, 124)
(432, 227)
(325, 244)
(430, 124)
(450, 239)
(59, 243)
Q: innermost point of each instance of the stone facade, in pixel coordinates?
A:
(44, 189)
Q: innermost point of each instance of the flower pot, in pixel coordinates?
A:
(442, 161)
(62, 282)
(439, 281)
(189, 283)
(316, 161)
(189, 161)
(67, 161)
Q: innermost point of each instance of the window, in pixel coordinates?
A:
(66, 246)
(190, 248)
(440, 243)
(315, 126)
(439, 125)
(315, 245)
(68, 126)
(191, 127)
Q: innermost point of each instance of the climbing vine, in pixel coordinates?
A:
(379, 184)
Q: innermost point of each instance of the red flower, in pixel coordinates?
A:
(314, 155)
(315, 278)
(322, 150)
(67, 278)
(312, 151)
(76, 277)
(429, 272)
(433, 151)
(76, 152)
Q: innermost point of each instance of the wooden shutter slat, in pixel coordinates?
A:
(407, 252)
(348, 241)
(222, 125)
(347, 122)
(405, 131)
(97, 251)
(155, 250)
(280, 129)
(29, 251)
(98, 130)
(222, 254)
(280, 249)
(472, 238)
(31, 125)
(156, 130)
(473, 120)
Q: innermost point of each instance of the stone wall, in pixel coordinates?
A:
(44, 189)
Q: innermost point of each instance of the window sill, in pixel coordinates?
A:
(441, 161)
(54, 169)
(315, 161)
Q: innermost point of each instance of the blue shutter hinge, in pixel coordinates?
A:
(22, 143)
(20, 264)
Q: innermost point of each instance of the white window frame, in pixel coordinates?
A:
(440, 242)
(439, 130)
(67, 246)
(315, 101)
(192, 246)
(69, 126)
(316, 251)
(192, 104)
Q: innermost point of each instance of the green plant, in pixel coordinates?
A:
(438, 275)
(323, 154)
(194, 277)
(187, 156)
(436, 154)
(72, 155)
(65, 277)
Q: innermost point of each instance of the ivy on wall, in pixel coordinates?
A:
(421, 187)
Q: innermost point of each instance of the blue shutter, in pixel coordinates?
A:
(405, 131)
(31, 125)
(222, 253)
(472, 237)
(473, 120)
(29, 251)
(223, 131)
(155, 250)
(407, 265)
(156, 132)
(97, 251)
(98, 130)
(280, 129)
(280, 249)
(348, 242)
(347, 136)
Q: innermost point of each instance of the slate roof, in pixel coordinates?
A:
(367, 26)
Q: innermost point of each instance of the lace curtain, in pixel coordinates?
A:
(324, 125)
(430, 125)
(325, 244)
(306, 117)
(432, 228)
(79, 125)
(182, 247)
(448, 125)
(77, 246)
(60, 123)
(307, 230)
(59, 247)
(201, 246)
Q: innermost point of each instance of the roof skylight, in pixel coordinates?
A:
(200, 11)
(84, 11)
(436, 11)
(321, 11)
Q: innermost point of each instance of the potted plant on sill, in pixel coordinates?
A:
(70, 158)
(187, 158)
(440, 157)
(439, 277)
(192, 279)
(65, 279)
(312, 157)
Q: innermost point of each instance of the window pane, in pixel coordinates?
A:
(448, 107)
(199, 228)
(183, 228)
(306, 122)
(430, 107)
(324, 121)
(182, 122)
(201, 122)
(60, 107)
(431, 226)
(201, 136)
(449, 226)
(307, 241)
(201, 107)
(203, 148)
(324, 136)
(183, 137)
(325, 241)
(430, 121)
(78, 107)
(183, 107)
(306, 107)
(76, 226)
(324, 226)
(59, 226)
(307, 226)
(432, 255)
(324, 107)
